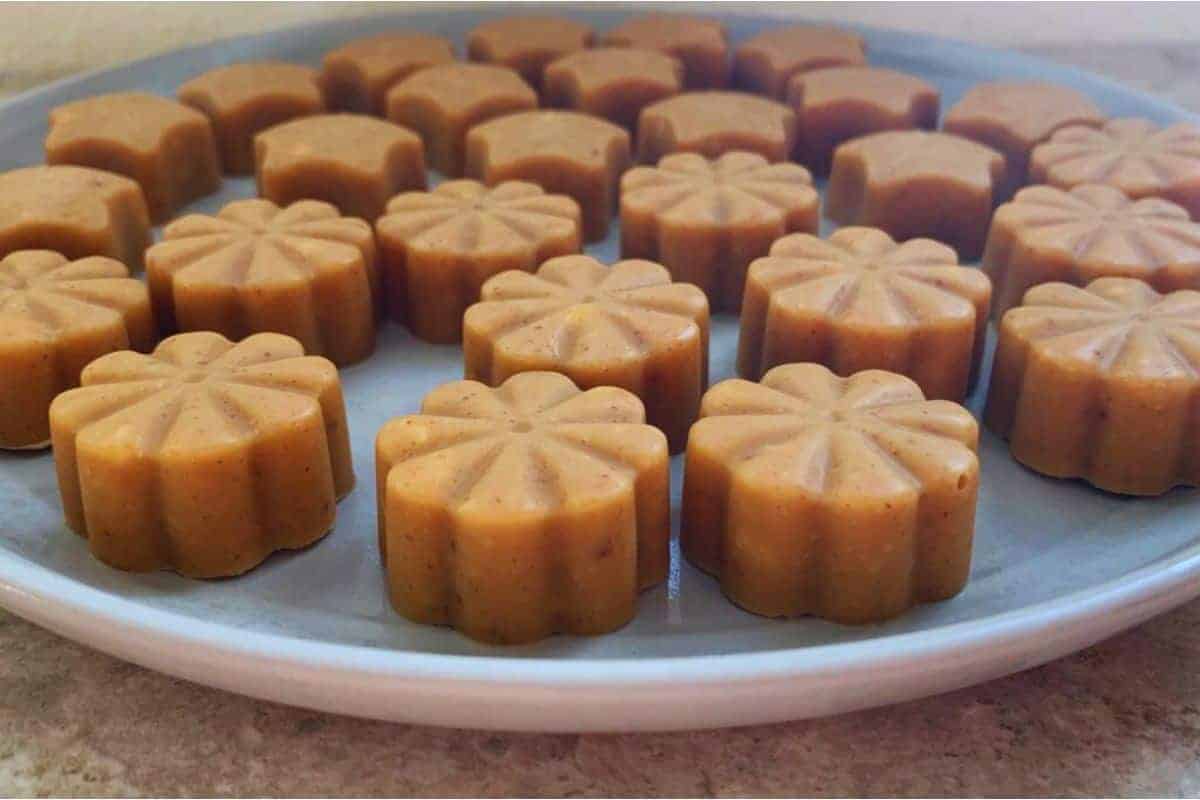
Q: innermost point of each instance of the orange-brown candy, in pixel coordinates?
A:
(917, 183)
(357, 76)
(1093, 231)
(840, 103)
(165, 146)
(442, 103)
(858, 300)
(706, 220)
(700, 44)
(1015, 116)
(56, 316)
(523, 511)
(562, 151)
(353, 161)
(1134, 155)
(301, 270)
(851, 499)
(612, 82)
(765, 63)
(527, 44)
(625, 326)
(203, 457)
(76, 211)
(713, 123)
(1101, 384)
(242, 99)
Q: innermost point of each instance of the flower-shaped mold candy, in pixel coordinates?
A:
(242, 99)
(562, 151)
(858, 300)
(765, 63)
(56, 316)
(700, 44)
(442, 103)
(519, 512)
(1134, 155)
(438, 248)
(76, 211)
(353, 161)
(1093, 231)
(165, 146)
(714, 123)
(357, 76)
(1101, 383)
(917, 183)
(527, 44)
(612, 82)
(851, 499)
(707, 220)
(300, 270)
(203, 457)
(625, 326)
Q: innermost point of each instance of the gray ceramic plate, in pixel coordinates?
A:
(1057, 564)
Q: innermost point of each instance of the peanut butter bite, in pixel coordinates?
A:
(438, 248)
(706, 220)
(353, 161)
(56, 316)
(612, 82)
(714, 123)
(562, 151)
(523, 511)
(851, 499)
(765, 63)
(442, 103)
(837, 104)
(700, 44)
(917, 183)
(625, 326)
(357, 76)
(76, 211)
(303, 271)
(165, 146)
(858, 300)
(1133, 155)
(528, 43)
(242, 99)
(203, 457)
(1100, 383)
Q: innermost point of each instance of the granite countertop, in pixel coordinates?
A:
(1121, 718)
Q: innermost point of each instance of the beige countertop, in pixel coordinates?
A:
(1121, 718)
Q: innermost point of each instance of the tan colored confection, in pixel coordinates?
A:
(858, 300)
(357, 76)
(527, 44)
(1100, 383)
(165, 146)
(1015, 116)
(700, 44)
(1093, 231)
(523, 511)
(1134, 155)
(612, 82)
(706, 220)
(56, 316)
(76, 211)
(917, 183)
(302, 270)
(713, 123)
(837, 104)
(353, 161)
(625, 325)
(203, 457)
(438, 248)
(765, 63)
(442, 103)
(242, 99)
(564, 152)
(851, 499)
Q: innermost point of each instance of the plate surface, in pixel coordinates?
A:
(1057, 565)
